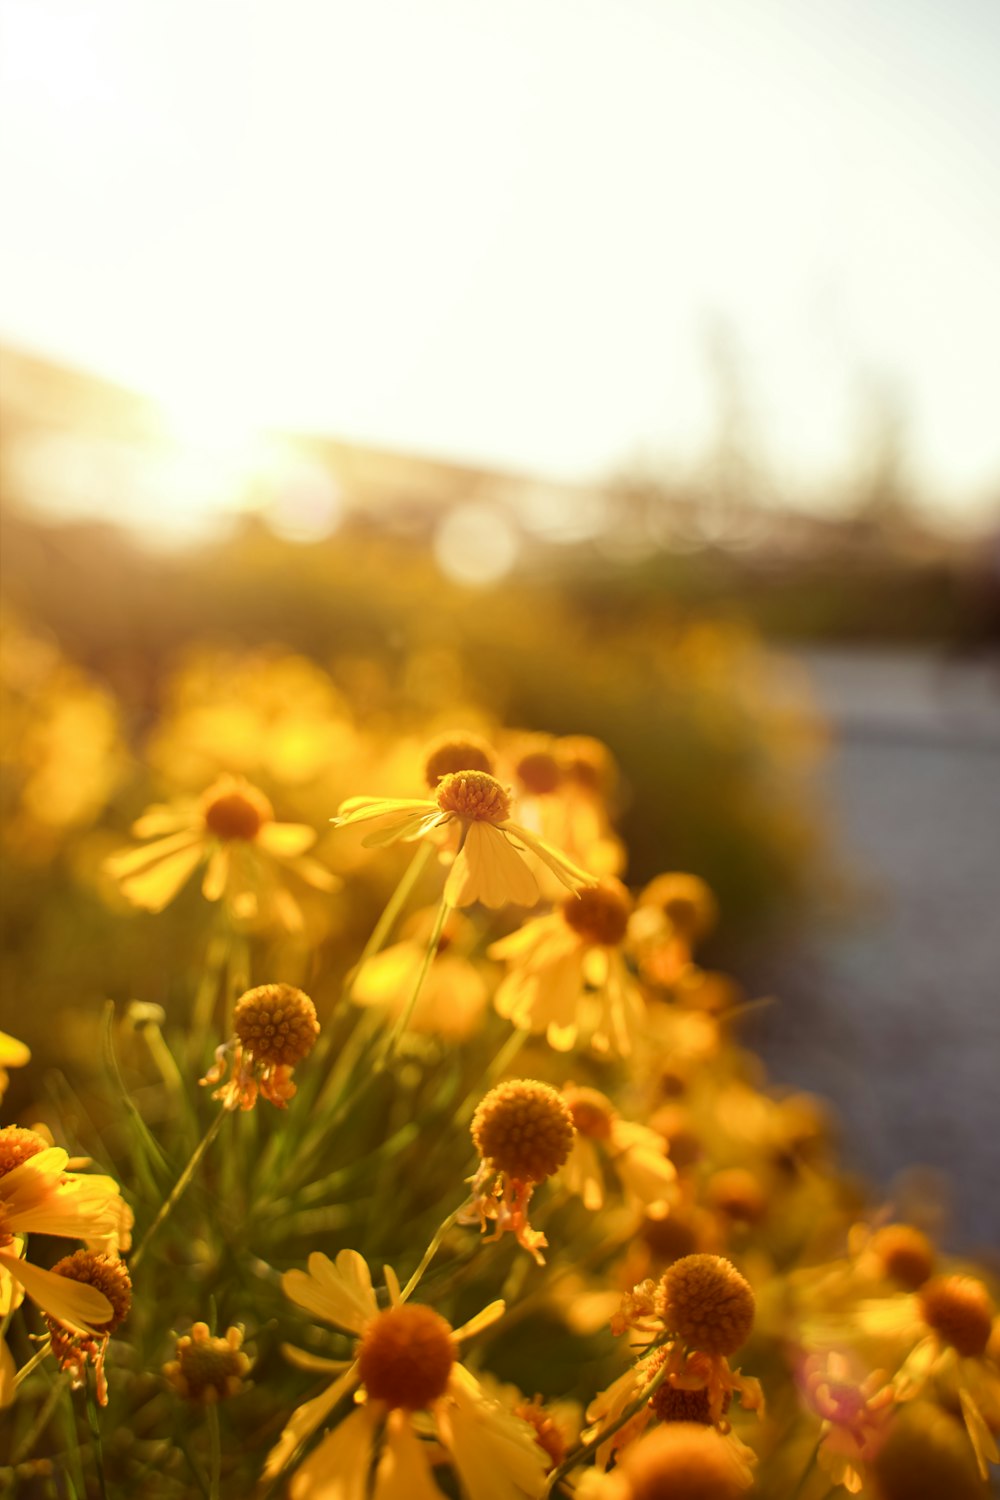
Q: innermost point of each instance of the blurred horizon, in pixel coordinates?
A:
(567, 242)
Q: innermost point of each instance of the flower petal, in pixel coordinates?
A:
(285, 839)
(81, 1307)
(403, 1472)
(306, 1418)
(338, 1468)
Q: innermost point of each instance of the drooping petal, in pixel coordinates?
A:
(570, 874)
(494, 1452)
(306, 1418)
(217, 873)
(403, 1472)
(131, 861)
(81, 1307)
(316, 1364)
(154, 888)
(338, 1468)
(489, 869)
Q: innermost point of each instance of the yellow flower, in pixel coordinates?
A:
(635, 1154)
(707, 1309)
(206, 1369)
(523, 1131)
(13, 1054)
(248, 857)
(489, 864)
(405, 1364)
(74, 1348)
(565, 786)
(570, 964)
(39, 1196)
(674, 912)
(950, 1319)
(453, 996)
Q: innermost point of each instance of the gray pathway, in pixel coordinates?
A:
(893, 1012)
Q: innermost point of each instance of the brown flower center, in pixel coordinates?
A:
(547, 1435)
(474, 795)
(906, 1253)
(235, 810)
(960, 1310)
(593, 1114)
(105, 1272)
(599, 913)
(406, 1357)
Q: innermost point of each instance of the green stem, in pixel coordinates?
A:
(399, 1030)
(585, 1450)
(214, 1450)
(33, 1362)
(23, 1450)
(93, 1423)
(806, 1474)
(390, 913)
(429, 1254)
(179, 1187)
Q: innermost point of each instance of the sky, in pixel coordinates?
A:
(514, 233)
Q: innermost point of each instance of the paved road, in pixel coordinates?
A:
(895, 1013)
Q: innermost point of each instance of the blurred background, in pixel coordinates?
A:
(623, 369)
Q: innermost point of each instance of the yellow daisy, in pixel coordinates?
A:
(248, 857)
(39, 1196)
(568, 971)
(415, 1405)
(453, 996)
(949, 1323)
(489, 864)
(635, 1155)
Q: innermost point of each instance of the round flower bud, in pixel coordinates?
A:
(206, 1369)
(276, 1024)
(523, 1128)
(707, 1303)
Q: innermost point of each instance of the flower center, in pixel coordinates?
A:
(406, 1357)
(599, 913)
(685, 901)
(454, 753)
(523, 1128)
(276, 1024)
(539, 772)
(959, 1309)
(474, 795)
(707, 1303)
(18, 1145)
(235, 810)
(907, 1255)
(208, 1369)
(547, 1435)
(105, 1272)
(592, 1113)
